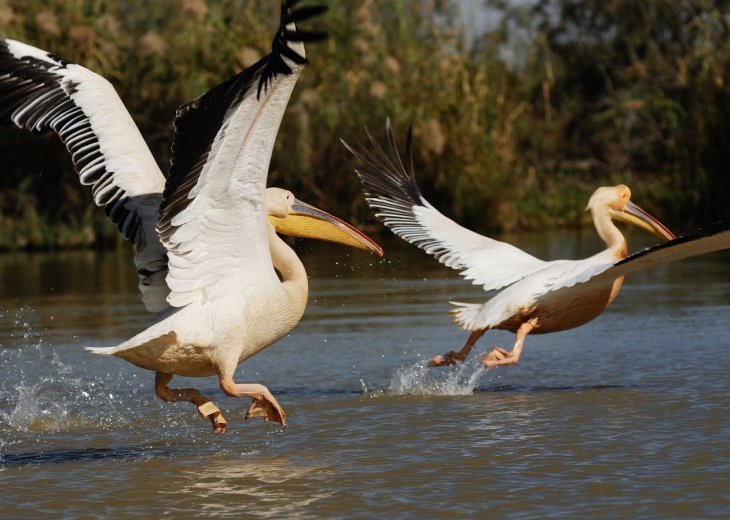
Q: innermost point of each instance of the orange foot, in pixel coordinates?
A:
(498, 357)
(212, 412)
(267, 407)
(452, 358)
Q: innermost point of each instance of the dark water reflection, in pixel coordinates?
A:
(626, 417)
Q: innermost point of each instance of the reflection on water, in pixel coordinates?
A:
(273, 487)
(625, 417)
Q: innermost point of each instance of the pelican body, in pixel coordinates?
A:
(535, 296)
(205, 238)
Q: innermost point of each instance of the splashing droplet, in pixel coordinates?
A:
(420, 379)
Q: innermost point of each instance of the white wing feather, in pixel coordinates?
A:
(213, 219)
(41, 92)
(586, 276)
(392, 191)
(706, 240)
(488, 262)
(220, 239)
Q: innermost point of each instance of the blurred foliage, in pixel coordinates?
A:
(513, 130)
(626, 91)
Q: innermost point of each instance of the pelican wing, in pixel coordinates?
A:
(391, 190)
(706, 240)
(212, 218)
(41, 92)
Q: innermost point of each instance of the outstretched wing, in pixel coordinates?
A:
(212, 218)
(391, 190)
(41, 92)
(706, 240)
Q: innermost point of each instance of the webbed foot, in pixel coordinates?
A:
(452, 358)
(268, 408)
(212, 412)
(499, 357)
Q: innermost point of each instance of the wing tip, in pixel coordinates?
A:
(280, 48)
(384, 175)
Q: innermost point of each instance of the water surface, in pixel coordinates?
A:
(626, 417)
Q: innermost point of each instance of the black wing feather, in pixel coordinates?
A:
(390, 185)
(197, 123)
(714, 237)
(35, 97)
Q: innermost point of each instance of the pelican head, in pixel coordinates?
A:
(292, 217)
(616, 201)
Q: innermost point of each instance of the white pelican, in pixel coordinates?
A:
(206, 254)
(537, 296)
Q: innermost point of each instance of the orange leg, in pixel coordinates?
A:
(264, 404)
(454, 357)
(499, 357)
(205, 407)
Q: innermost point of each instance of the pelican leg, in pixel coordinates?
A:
(499, 356)
(205, 407)
(453, 357)
(263, 405)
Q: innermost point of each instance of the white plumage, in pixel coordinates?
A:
(536, 296)
(206, 247)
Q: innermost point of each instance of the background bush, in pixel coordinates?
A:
(513, 129)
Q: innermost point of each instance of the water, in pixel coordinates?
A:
(626, 417)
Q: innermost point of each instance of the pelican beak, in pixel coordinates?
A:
(306, 221)
(633, 214)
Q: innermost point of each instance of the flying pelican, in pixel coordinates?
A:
(536, 296)
(206, 248)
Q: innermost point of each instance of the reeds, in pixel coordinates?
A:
(497, 146)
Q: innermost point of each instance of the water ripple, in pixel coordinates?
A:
(82, 455)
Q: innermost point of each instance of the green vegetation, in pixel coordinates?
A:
(513, 130)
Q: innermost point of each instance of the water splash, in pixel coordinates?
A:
(420, 379)
(40, 392)
(56, 400)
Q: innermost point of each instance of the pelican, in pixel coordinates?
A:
(536, 296)
(206, 246)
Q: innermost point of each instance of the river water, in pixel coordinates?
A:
(626, 417)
